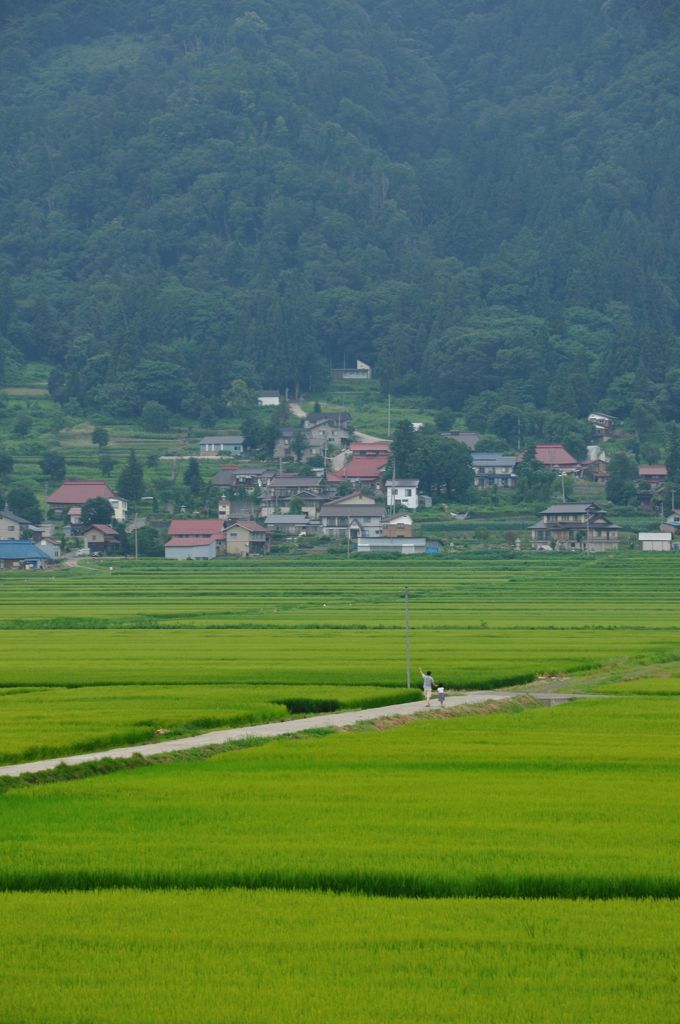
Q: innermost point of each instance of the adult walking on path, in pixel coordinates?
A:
(428, 683)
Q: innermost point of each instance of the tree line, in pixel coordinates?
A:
(480, 200)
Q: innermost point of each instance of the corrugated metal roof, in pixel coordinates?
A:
(22, 550)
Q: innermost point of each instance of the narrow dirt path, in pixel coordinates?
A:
(336, 720)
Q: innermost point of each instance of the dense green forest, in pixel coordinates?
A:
(478, 197)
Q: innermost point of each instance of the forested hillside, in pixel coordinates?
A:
(478, 197)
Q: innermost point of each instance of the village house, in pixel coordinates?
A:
(352, 516)
(360, 470)
(11, 526)
(220, 444)
(268, 398)
(399, 525)
(557, 458)
(290, 525)
(402, 492)
(651, 480)
(311, 491)
(23, 554)
(494, 470)
(51, 547)
(73, 494)
(101, 539)
(245, 537)
(326, 430)
(652, 475)
(574, 526)
(195, 538)
(184, 528)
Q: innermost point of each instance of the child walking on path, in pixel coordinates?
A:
(441, 695)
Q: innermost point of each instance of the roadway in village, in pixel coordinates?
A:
(335, 720)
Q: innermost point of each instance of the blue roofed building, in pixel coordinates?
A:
(23, 554)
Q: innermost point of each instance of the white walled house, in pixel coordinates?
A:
(269, 398)
(402, 492)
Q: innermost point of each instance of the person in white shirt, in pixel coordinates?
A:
(428, 683)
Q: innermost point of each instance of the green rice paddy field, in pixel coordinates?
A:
(517, 867)
(520, 867)
(183, 647)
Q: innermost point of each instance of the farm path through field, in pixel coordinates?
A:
(270, 729)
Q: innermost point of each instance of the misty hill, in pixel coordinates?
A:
(478, 197)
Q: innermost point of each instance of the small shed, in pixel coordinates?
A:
(268, 398)
(655, 541)
(182, 549)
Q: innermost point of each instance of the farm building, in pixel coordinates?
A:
(400, 545)
(269, 398)
(23, 554)
(183, 549)
(655, 541)
(220, 444)
(362, 371)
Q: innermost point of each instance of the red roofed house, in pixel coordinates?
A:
(195, 538)
(245, 537)
(101, 539)
(556, 456)
(73, 494)
(195, 528)
(650, 486)
(653, 474)
(361, 469)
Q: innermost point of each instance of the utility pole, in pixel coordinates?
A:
(389, 414)
(348, 542)
(408, 641)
